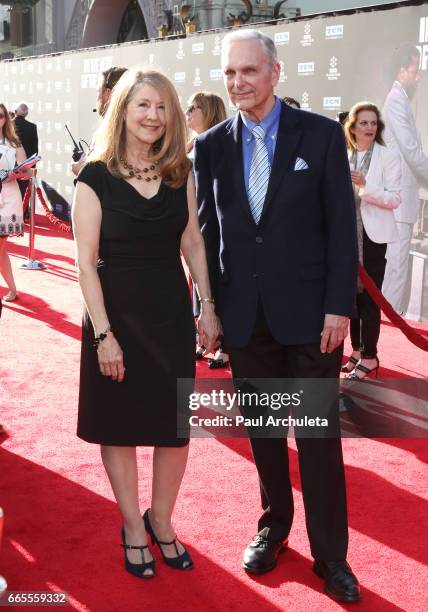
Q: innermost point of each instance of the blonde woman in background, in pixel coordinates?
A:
(204, 111)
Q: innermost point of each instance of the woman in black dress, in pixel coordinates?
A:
(134, 210)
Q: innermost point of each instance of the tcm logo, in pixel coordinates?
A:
(282, 38)
(198, 48)
(217, 46)
(333, 73)
(179, 77)
(306, 68)
(197, 81)
(307, 39)
(334, 31)
(216, 74)
(180, 51)
(332, 102)
(282, 76)
(305, 101)
(423, 40)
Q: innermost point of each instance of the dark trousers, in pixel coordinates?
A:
(23, 188)
(320, 459)
(366, 328)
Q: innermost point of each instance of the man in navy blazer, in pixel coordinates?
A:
(278, 217)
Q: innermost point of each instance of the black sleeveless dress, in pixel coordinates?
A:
(148, 305)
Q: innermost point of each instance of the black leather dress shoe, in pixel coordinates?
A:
(341, 583)
(261, 554)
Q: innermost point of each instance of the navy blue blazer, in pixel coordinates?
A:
(301, 259)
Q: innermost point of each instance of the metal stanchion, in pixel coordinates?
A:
(31, 263)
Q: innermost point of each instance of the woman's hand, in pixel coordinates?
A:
(110, 358)
(358, 178)
(209, 327)
(22, 176)
(17, 176)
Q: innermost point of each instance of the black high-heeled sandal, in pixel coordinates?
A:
(180, 562)
(367, 371)
(347, 368)
(200, 352)
(137, 569)
(216, 363)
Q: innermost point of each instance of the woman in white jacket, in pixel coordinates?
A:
(376, 173)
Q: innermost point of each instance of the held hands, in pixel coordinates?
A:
(17, 176)
(209, 328)
(334, 332)
(110, 358)
(358, 178)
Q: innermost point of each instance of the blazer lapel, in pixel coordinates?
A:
(289, 134)
(233, 153)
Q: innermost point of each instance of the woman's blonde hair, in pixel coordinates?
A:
(212, 107)
(169, 150)
(352, 119)
(9, 133)
(213, 110)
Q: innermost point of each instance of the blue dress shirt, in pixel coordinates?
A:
(270, 125)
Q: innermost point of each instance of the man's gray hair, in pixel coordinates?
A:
(21, 110)
(266, 42)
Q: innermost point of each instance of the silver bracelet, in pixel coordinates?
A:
(208, 300)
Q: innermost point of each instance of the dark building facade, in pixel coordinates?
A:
(37, 27)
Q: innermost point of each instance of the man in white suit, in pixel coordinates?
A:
(401, 134)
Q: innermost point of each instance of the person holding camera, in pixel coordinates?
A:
(109, 78)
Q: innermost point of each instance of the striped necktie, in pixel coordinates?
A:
(259, 174)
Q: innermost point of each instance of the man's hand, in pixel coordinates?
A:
(334, 332)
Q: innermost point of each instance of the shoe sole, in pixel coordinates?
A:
(335, 596)
(141, 576)
(253, 570)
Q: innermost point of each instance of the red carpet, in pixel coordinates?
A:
(62, 526)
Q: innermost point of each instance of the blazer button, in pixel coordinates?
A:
(259, 239)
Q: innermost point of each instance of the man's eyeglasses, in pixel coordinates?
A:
(192, 108)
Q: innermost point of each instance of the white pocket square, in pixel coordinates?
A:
(300, 164)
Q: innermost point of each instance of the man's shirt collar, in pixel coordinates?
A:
(269, 123)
